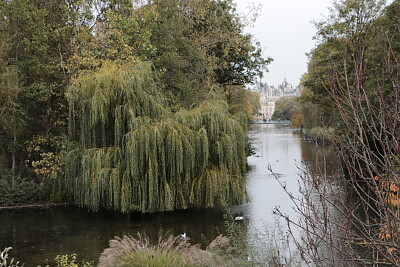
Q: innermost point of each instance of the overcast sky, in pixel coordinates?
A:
(285, 32)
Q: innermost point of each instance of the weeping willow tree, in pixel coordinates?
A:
(130, 153)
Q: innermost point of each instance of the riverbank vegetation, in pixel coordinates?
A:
(285, 108)
(352, 86)
(269, 246)
(128, 105)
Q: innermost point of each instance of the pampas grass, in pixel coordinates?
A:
(170, 250)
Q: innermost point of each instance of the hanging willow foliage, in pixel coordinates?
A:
(132, 154)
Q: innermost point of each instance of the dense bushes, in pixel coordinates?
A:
(24, 192)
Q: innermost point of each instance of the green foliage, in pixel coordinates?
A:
(297, 120)
(71, 261)
(253, 102)
(66, 260)
(133, 154)
(179, 56)
(236, 232)
(241, 100)
(313, 113)
(9, 91)
(122, 32)
(44, 155)
(11, 116)
(37, 37)
(25, 192)
(356, 32)
(193, 47)
(285, 108)
(155, 258)
(200, 43)
(193, 44)
(349, 34)
(33, 38)
(322, 133)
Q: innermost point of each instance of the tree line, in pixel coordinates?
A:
(352, 95)
(129, 105)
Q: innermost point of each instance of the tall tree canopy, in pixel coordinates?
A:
(285, 108)
(352, 51)
(54, 58)
(353, 86)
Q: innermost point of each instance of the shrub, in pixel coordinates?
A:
(321, 133)
(71, 261)
(25, 192)
(170, 251)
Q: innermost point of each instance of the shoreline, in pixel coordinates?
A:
(38, 206)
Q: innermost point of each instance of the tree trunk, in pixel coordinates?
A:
(13, 178)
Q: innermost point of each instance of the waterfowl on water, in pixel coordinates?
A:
(239, 218)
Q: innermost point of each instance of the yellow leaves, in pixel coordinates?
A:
(363, 243)
(49, 166)
(71, 261)
(46, 164)
(389, 190)
(297, 120)
(384, 233)
(392, 250)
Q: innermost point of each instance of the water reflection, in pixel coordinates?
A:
(37, 236)
(279, 149)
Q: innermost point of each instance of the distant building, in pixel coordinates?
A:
(269, 94)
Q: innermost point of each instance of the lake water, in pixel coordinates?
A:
(38, 235)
